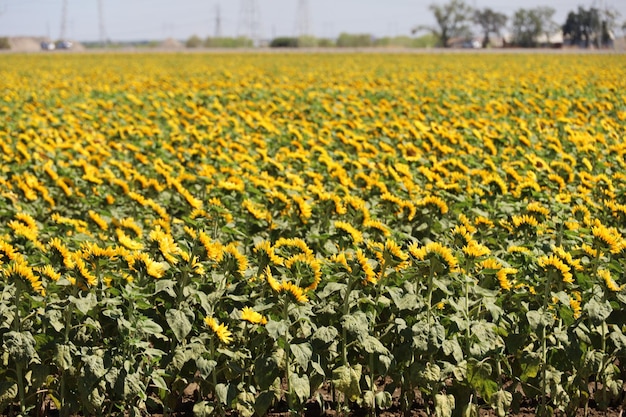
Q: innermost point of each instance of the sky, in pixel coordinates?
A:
(131, 20)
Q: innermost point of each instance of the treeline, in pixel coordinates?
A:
(457, 24)
(344, 40)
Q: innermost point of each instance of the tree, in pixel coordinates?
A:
(489, 22)
(592, 26)
(452, 19)
(529, 24)
(193, 42)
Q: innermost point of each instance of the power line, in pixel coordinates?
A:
(218, 21)
(101, 24)
(303, 19)
(250, 21)
(63, 20)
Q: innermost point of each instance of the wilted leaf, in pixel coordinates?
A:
(444, 405)
(501, 401)
(63, 356)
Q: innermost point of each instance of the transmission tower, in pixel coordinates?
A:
(63, 20)
(250, 21)
(218, 21)
(303, 19)
(103, 35)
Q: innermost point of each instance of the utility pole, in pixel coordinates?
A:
(63, 21)
(249, 21)
(101, 24)
(218, 21)
(303, 19)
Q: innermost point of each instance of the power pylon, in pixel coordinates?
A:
(63, 21)
(218, 21)
(303, 19)
(250, 21)
(103, 35)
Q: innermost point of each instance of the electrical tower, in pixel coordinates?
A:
(103, 35)
(303, 19)
(218, 21)
(63, 21)
(250, 21)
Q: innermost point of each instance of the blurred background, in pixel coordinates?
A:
(54, 25)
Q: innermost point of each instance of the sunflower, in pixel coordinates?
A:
(608, 237)
(363, 262)
(265, 252)
(556, 263)
(293, 289)
(605, 274)
(166, 244)
(220, 330)
(312, 266)
(435, 248)
(473, 249)
(249, 315)
(435, 201)
(19, 269)
(503, 279)
(355, 235)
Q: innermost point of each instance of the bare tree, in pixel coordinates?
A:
(490, 22)
(452, 21)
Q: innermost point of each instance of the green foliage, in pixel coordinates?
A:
(484, 257)
(193, 42)
(227, 42)
(284, 42)
(348, 40)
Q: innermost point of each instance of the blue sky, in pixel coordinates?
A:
(160, 19)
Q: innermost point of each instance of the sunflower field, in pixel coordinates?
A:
(443, 231)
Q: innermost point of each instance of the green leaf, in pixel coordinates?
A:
(20, 347)
(84, 304)
(165, 285)
(277, 329)
(420, 336)
(326, 334)
(159, 382)
(93, 367)
(134, 386)
(180, 322)
(437, 335)
(263, 402)
(300, 386)
(537, 320)
(372, 345)
(266, 371)
(149, 327)
(302, 354)
(530, 364)
(205, 367)
(55, 318)
(444, 405)
(356, 323)
(203, 409)
(598, 312)
(402, 301)
(452, 347)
